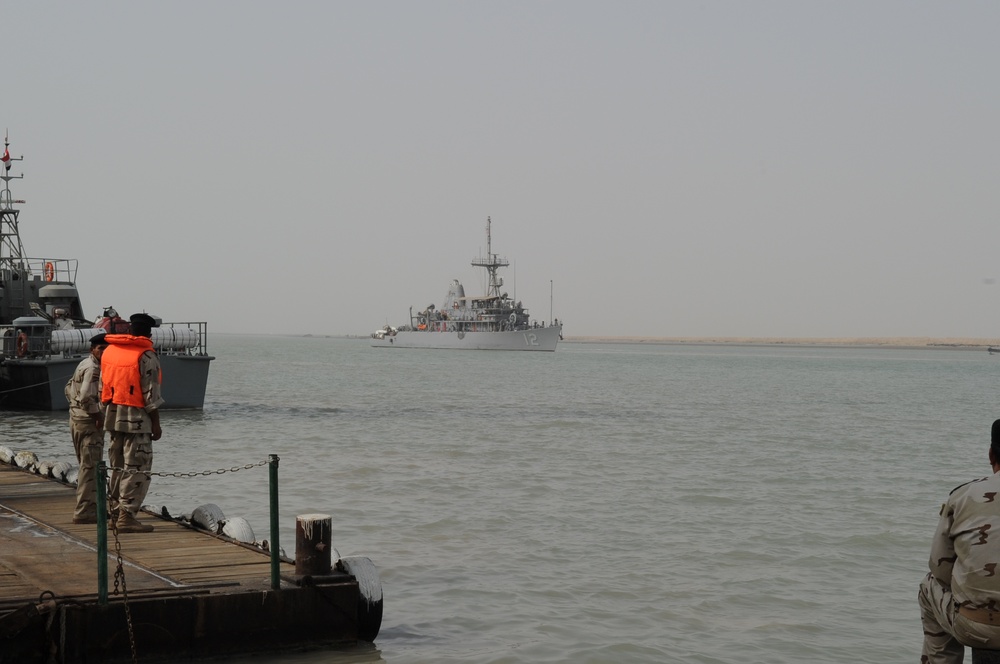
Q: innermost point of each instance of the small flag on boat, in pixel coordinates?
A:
(6, 158)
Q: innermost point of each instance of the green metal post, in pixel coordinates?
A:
(272, 464)
(102, 534)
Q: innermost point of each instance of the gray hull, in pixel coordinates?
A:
(30, 384)
(541, 338)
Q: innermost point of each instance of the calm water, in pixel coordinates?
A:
(604, 503)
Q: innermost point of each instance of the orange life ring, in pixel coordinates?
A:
(50, 271)
(22, 344)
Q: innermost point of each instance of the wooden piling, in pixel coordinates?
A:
(313, 543)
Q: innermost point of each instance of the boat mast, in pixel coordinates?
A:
(492, 263)
(11, 249)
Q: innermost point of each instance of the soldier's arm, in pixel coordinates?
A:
(943, 554)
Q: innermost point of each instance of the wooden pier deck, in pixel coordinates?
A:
(190, 593)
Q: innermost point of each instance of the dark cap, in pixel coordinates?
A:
(143, 319)
(142, 324)
(98, 340)
(995, 435)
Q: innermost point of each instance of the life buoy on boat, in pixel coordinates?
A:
(22, 344)
(50, 271)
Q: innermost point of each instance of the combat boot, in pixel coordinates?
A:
(129, 524)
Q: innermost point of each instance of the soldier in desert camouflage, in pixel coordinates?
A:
(960, 596)
(130, 392)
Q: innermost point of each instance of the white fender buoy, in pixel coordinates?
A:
(209, 517)
(370, 597)
(25, 459)
(6, 454)
(60, 469)
(239, 529)
(72, 475)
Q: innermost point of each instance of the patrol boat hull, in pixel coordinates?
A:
(36, 382)
(541, 339)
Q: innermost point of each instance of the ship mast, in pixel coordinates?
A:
(11, 249)
(492, 263)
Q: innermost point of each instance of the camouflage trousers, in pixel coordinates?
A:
(945, 630)
(88, 442)
(134, 453)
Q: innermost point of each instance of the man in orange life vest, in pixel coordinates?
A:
(130, 391)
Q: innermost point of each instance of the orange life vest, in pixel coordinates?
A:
(120, 369)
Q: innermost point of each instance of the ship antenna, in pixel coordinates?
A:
(491, 263)
(11, 249)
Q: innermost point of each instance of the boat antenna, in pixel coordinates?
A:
(11, 249)
(492, 264)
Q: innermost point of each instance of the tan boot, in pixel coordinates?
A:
(129, 524)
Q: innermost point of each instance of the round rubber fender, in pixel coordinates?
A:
(209, 517)
(26, 460)
(369, 597)
(60, 469)
(239, 529)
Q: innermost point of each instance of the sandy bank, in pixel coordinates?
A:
(875, 342)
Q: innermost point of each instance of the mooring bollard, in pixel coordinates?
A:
(313, 537)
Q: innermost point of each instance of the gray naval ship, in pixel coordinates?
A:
(45, 334)
(482, 322)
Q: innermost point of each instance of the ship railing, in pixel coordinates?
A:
(49, 269)
(35, 341)
(200, 329)
(26, 342)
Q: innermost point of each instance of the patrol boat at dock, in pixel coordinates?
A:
(484, 322)
(45, 334)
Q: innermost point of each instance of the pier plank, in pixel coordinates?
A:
(36, 528)
(189, 591)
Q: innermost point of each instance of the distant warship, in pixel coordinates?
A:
(482, 322)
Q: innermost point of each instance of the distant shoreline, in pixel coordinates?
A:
(867, 342)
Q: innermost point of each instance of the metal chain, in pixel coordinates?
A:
(194, 473)
(120, 580)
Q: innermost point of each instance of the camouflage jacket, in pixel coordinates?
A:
(966, 547)
(82, 389)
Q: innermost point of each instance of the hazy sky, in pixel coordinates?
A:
(795, 169)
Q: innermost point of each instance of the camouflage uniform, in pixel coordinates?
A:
(131, 445)
(965, 554)
(88, 441)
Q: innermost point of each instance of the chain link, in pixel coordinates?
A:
(120, 579)
(188, 475)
